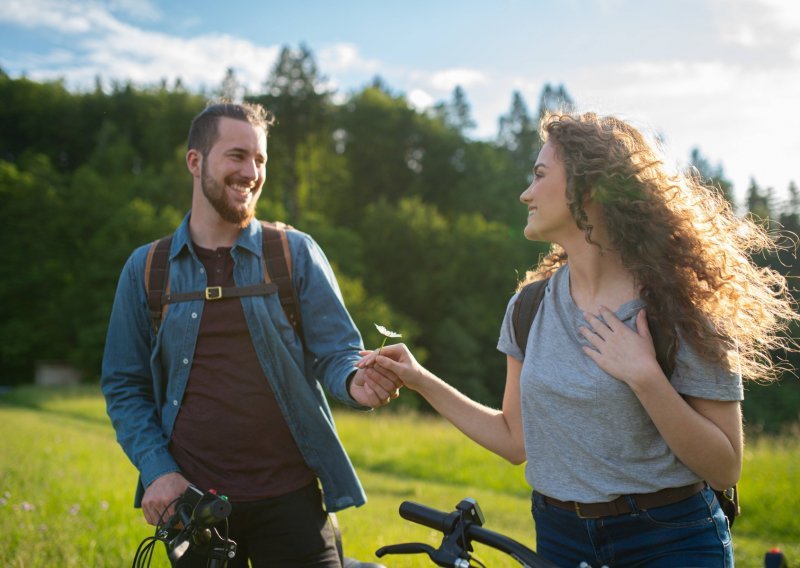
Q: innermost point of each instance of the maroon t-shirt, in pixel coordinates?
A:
(230, 434)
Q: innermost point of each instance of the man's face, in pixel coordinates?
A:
(233, 172)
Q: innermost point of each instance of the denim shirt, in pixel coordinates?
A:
(144, 376)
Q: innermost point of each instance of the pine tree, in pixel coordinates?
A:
(713, 176)
(456, 113)
(555, 100)
(518, 133)
(296, 96)
(231, 89)
(758, 203)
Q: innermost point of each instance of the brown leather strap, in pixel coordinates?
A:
(278, 269)
(156, 278)
(621, 505)
(218, 293)
(277, 275)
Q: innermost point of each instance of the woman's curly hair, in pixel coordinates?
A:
(687, 250)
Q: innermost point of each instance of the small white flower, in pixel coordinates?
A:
(383, 331)
(386, 334)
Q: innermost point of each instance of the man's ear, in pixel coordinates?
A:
(194, 162)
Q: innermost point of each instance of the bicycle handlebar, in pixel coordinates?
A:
(429, 517)
(460, 528)
(193, 525)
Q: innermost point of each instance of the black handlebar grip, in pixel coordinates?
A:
(422, 515)
(407, 548)
(211, 512)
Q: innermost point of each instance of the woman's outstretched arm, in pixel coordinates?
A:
(499, 431)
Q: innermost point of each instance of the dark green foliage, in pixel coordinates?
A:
(294, 94)
(456, 113)
(453, 277)
(45, 118)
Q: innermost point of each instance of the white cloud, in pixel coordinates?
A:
(419, 99)
(651, 79)
(449, 79)
(760, 24)
(119, 51)
(343, 58)
(783, 13)
(146, 57)
(66, 18)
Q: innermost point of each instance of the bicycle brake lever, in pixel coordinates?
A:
(406, 548)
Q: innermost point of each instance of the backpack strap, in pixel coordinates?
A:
(525, 308)
(278, 269)
(665, 342)
(277, 276)
(156, 279)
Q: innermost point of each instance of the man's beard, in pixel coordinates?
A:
(215, 193)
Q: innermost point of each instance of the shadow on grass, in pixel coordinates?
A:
(50, 401)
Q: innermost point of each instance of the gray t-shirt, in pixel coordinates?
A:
(587, 436)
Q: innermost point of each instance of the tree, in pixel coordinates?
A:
(459, 310)
(456, 113)
(518, 133)
(790, 216)
(758, 203)
(516, 130)
(231, 89)
(296, 96)
(713, 176)
(555, 99)
(381, 145)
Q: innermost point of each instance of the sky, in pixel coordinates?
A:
(721, 75)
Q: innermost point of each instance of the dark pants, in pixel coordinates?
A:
(287, 531)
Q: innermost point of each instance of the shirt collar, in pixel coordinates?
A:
(248, 240)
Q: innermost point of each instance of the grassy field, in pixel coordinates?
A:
(66, 488)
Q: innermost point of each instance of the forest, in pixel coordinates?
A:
(422, 223)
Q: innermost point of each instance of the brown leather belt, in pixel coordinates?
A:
(621, 505)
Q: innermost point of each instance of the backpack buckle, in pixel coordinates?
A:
(213, 292)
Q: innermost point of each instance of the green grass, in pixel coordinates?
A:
(66, 488)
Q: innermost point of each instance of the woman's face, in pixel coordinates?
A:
(548, 214)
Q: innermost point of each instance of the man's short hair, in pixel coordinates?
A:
(203, 131)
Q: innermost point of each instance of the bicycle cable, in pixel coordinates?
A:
(144, 553)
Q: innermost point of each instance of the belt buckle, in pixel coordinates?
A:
(581, 515)
(213, 292)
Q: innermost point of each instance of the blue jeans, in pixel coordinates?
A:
(691, 533)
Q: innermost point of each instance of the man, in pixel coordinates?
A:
(225, 394)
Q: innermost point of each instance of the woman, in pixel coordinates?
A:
(621, 456)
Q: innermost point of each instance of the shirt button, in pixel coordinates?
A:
(202, 271)
(174, 403)
(194, 315)
(186, 361)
